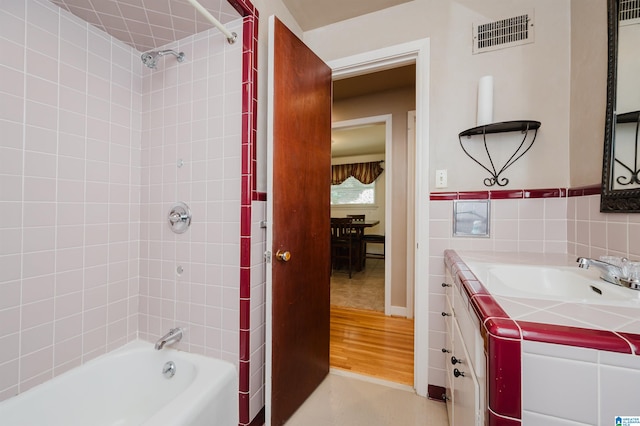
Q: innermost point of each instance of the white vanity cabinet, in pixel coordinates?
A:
(465, 360)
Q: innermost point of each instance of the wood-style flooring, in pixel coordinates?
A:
(372, 344)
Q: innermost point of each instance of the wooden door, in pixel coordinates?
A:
(299, 177)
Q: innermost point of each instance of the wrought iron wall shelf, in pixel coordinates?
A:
(523, 126)
(634, 173)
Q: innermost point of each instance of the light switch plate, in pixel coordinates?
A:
(441, 178)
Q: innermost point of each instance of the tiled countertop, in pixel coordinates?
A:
(602, 327)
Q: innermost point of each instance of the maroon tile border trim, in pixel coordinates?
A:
(505, 195)
(436, 393)
(584, 191)
(443, 196)
(504, 376)
(248, 193)
(508, 194)
(574, 336)
(634, 341)
(474, 195)
(498, 420)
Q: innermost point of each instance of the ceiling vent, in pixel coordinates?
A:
(629, 12)
(504, 33)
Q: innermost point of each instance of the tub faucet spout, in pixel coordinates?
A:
(610, 273)
(174, 335)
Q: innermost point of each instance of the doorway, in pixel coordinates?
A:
(364, 141)
(361, 140)
(383, 59)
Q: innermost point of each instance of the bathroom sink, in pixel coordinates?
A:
(566, 284)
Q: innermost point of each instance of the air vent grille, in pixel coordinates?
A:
(629, 11)
(504, 33)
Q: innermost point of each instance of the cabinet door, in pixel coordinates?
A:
(466, 391)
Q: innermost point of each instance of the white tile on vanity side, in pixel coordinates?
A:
(616, 398)
(560, 351)
(536, 419)
(575, 399)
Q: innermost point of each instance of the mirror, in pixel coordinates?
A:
(621, 166)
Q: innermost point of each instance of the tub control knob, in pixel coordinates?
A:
(455, 360)
(458, 373)
(445, 351)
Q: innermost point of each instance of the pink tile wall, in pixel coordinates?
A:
(191, 152)
(257, 320)
(521, 224)
(571, 225)
(69, 175)
(593, 234)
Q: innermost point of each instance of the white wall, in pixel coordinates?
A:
(588, 90)
(267, 8)
(531, 82)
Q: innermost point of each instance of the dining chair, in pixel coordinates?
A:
(359, 234)
(342, 243)
(373, 239)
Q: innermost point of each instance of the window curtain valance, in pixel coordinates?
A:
(364, 172)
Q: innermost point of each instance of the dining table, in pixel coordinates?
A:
(359, 226)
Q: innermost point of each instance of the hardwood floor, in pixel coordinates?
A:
(369, 343)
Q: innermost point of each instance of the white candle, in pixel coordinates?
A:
(485, 100)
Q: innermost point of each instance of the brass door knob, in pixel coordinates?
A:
(283, 256)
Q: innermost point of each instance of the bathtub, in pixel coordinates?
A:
(128, 387)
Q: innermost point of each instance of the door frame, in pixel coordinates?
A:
(417, 52)
(387, 119)
(411, 212)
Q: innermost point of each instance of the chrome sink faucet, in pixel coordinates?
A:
(174, 335)
(610, 273)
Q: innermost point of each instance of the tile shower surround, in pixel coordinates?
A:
(90, 142)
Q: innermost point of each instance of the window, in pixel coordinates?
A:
(352, 191)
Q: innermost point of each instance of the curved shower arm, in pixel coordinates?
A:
(179, 56)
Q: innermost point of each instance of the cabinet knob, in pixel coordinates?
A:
(455, 360)
(446, 351)
(458, 373)
(446, 285)
(444, 314)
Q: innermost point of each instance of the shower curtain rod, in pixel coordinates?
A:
(231, 37)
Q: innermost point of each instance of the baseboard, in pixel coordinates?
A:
(436, 393)
(397, 311)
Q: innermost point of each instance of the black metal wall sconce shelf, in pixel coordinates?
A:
(523, 126)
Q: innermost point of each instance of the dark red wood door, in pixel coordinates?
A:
(300, 195)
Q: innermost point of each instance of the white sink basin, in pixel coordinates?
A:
(565, 284)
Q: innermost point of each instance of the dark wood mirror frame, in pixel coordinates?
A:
(625, 200)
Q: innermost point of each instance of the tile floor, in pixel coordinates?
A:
(365, 290)
(351, 400)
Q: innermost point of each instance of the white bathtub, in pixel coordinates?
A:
(127, 387)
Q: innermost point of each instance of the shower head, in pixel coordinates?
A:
(150, 59)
